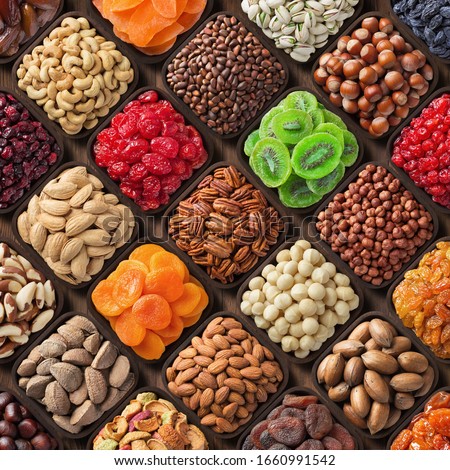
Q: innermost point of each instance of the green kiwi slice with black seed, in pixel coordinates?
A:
(316, 156)
(265, 128)
(326, 184)
(296, 194)
(332, 129)
(250, 142)
(302, 100)
(317, 117)
(351, 149)
(334, 119)
(271, 162)
(291, 126)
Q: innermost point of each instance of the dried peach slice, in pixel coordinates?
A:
(157, 50)
(188, 20)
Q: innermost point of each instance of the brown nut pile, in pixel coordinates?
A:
(76, 75)
(375, 75)
(27, 300)
(76, 374)
(224, 375)
(150, 423)
(375, 374)
(75, 226)
(226, 225)
(299, 423)
(376, 225)
(225, 75)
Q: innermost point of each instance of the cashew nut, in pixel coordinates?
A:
(69, 61)
(36, 94)
(50, 109)
(72, 97)
(100, 101)
(77, 119)
(83, 84)
(77, 72)
(72, 23)
(34, 71)
(103, 111)
(66, 83)
(110, 81)
(124, 64)
(86, 107)
(84, 23)
(91, 123)
(88, 33)
(90, 44)
(21, 72)
(62, 104)
(37, 84)
(101, 81)
(97, 65)
(50, 62)
(70, 128)
(52, 91)
(114, 100)
(42, 101)
(72, 50)
(73, 39)
(123, 87)
(121, 76)
(108, 96)
(107, 46)
(94, 89)
(108, 61)
(88, 60)
(117, 55)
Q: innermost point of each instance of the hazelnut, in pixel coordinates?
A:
(365, 105)
(386, 106)
(335, 66)
(413, 99)
(427, 72)
(350, 106)
(363, 35)
(333, 83)
(410, 62)
(373, 93)
(354, 47)
(405, 87)
(342, 43)
(371, 24)
(381, 71)
(336, 99)
(349, 90)
(423, 90)
(399, 98)
(387, 59)
(380, 126)
(369, 53)
(401, 111)
(386, 25)
(324, 58)
(365, 123)
(384, 44)
(352, 69)
(398, 43)
(320, 76)
(416, 81)
(421, 56)
(394, 80)
(368, 76)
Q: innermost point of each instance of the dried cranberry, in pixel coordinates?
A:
(150, 128)
(129, 191)
(118, 170)
(169, 129)
(138, 172)
(179, 166)
(165, 146)
(150, 96)
(157, 164)
(152, 186)
(135, 150)
(108, 136)
(170, 183)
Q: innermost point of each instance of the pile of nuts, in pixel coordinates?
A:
(27, 303)
(299, 27)
(19, 430)
(225, 75)
(299, 423)
(226, 225)
(299, 300)
(375, 374)
(75, 226)
(376, 225)
(76, 374)
(76, 75)
(20, 21)
(150, 423)
(375, 75)
(224, 375)
(27, 150)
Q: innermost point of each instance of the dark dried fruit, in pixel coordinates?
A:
(288, 431)
(301, 402)
(266, 439)
(276, 412)
(318, 421)
(311, 444)
(330, 443)
(248, 443)
(256, 433)
(293, 412)
(341, 434)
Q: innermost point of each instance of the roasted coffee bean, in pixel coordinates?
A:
(225, 75)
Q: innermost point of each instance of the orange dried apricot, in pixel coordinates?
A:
(191, 319)
(129, 331)
(146, 22)
(166, 8)
(103, 300)
(169, 340)
(165, 282)
(143, 253)
(175, 328)
(128, 287)
(125, 266)
(152, 312)
(202, 304)
(186, 304)
(168, 260)
(187, 20)
(195, 6)
(112, 322)
(123, 5)
(160, 49)
(151, 347)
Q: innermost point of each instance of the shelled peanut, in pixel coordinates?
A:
(300, 300)
(149, 299)
(150, 423)
(27, 300)
(75, 226)
(376, 374)
(76, 374)
(224, 375)
(76, 75)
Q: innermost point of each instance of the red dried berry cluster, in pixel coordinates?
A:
(423, 150)
(150, 150)
(27, 150)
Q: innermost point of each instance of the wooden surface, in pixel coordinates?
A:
(151, 75)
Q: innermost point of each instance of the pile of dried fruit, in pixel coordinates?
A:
(19, 430)
(21, 20)
(226, 225)
(429, 430)
(422, 300)
(75, 226)
(76, 75)
(375, 225)
(76, 374)
(224, 375)
(152, 26)
(302, 149)
(27, 150)
(422, 150)
(375, 374)
(299, 423)
(149, 299)
(150, 150)
(28, 300)
(150, 423)
(299, 300)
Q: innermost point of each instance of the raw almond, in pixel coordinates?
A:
(413, 362)
(99, 251)
(96, 183)
(95, 266)
(207, 397)
(237, 385)
(81, 196)
(95, 237)
(221, 395)
(24, 227)
(378, 417)
(54, 245)
(71, 249)
(209, 420)
(349, 348)
(60, 190)
(406, 382)
(218, 366)
(354, 371)
(238, 362)
(38, 236)
(186, 390)
(52, 223)
(54, 207)
(224, 425)
(79, 224)
(360, 401)
(376, 387)
(251, 373)
(381, 332)
(380, 362)
(95, 207)
(334, 369)
(78, 265)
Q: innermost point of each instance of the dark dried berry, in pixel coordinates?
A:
(318, 421)
(248, 443)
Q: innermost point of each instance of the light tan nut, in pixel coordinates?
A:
(360, 401)
(105, 356)
(69, 376)
(64, 423)
(36, 386)
(406, 382)
(92, 343)
(27, 368)
(56, 399)
(413, 362)
(85, 414)
(381, 332)
(96, 385)
(77, 357)
(119, 371)
(380, 362)
(334, 370)
(376, 387)
(378, 417)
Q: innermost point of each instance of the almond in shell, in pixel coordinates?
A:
(52, 223)
(95, 237)
(71, 249)
(79, 224)
(54, 207)
(349, 348)
(81, 196)
(24, 226)
(60, 191)
(354, 371)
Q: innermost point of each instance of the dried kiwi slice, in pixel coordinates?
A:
(332, 129)
(326, 184)
(250, 142)
(334, 119)
(317, 117)
(265, 128)
(351, 149)
(296, 194)
(271, 161)
(302, 100)
(291, 126)
(316, 156)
